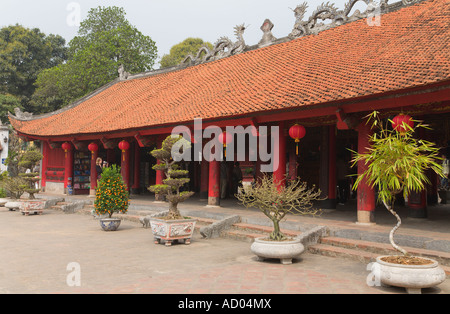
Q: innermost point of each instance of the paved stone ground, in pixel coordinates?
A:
(36, 250)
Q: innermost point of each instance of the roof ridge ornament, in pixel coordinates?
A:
(327, 11)
(123, 75)
(268, 37)
(223, 47)
(22, 115)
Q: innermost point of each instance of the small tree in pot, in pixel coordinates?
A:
(29, 160)
(276, 201)
(172, 189)
(111, 197)
(397, 162)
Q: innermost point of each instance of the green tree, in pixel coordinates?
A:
(105, 40)
(397, 163)
(175, 178)
(180, 51)
(7, 104)
(24, 53)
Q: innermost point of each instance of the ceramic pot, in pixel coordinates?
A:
(110, 224)
(171, 230)
(283, 250)
(411, 277)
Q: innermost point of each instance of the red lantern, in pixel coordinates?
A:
(401, 122)
(297, 132)
(93, 147)
(225, 139)
(123, 146)
(66, 146)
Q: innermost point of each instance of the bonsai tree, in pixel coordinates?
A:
(29, 161)
(276, 201)
(175, 178)
(111, 195)
(14, 185)
(397, 162)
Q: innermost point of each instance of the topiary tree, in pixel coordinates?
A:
(175, 178)
(111, 195)
(276, 201)
(397, 162)
(29, 160)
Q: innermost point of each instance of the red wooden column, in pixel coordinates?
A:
(124, 146)
(204, 179)
(214, 183)
(137, 162)
(68, 166)
(417, 201)
(365, 193)
(94, 155)
(279, 158)
(45, 151)
(332, 166)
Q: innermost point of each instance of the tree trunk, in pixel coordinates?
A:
(276, 234)
(174, 213)
(391, 234)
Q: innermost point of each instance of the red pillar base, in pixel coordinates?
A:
(214, 183)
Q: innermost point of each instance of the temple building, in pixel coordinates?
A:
(325, 76)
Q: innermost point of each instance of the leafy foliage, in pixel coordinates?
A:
(111, 195)
(276, 201)
(397, 163)
(24, 53)
(105, 40)
(175, 178)
(28, 161)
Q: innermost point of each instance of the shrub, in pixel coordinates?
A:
(111, 195)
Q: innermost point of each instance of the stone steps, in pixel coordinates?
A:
(367, 251)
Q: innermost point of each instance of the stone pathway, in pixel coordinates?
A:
(36, 251)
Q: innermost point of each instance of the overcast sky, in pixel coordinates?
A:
(167, 22)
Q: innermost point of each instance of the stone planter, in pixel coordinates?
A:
(110, 224)
(171, 230)
(411, 277)
(283, 250)
(28, 207)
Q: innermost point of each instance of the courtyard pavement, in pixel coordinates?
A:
(49, 253)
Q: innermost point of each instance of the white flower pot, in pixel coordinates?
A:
(283, 250)
(411, 277)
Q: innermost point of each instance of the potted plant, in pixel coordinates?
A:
(276, 201)
(111, 197)
(29, 160)
(397, 162)
(173, 226)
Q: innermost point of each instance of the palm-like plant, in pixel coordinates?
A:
(396, 163)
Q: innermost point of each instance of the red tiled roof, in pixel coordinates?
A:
(410, 48)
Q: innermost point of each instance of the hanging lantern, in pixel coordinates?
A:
(123, 146)
(399, 121)
(66, 146)
(225, 139)
(297, 132)
(93, 147)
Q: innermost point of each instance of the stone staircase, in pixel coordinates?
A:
(367, 251)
